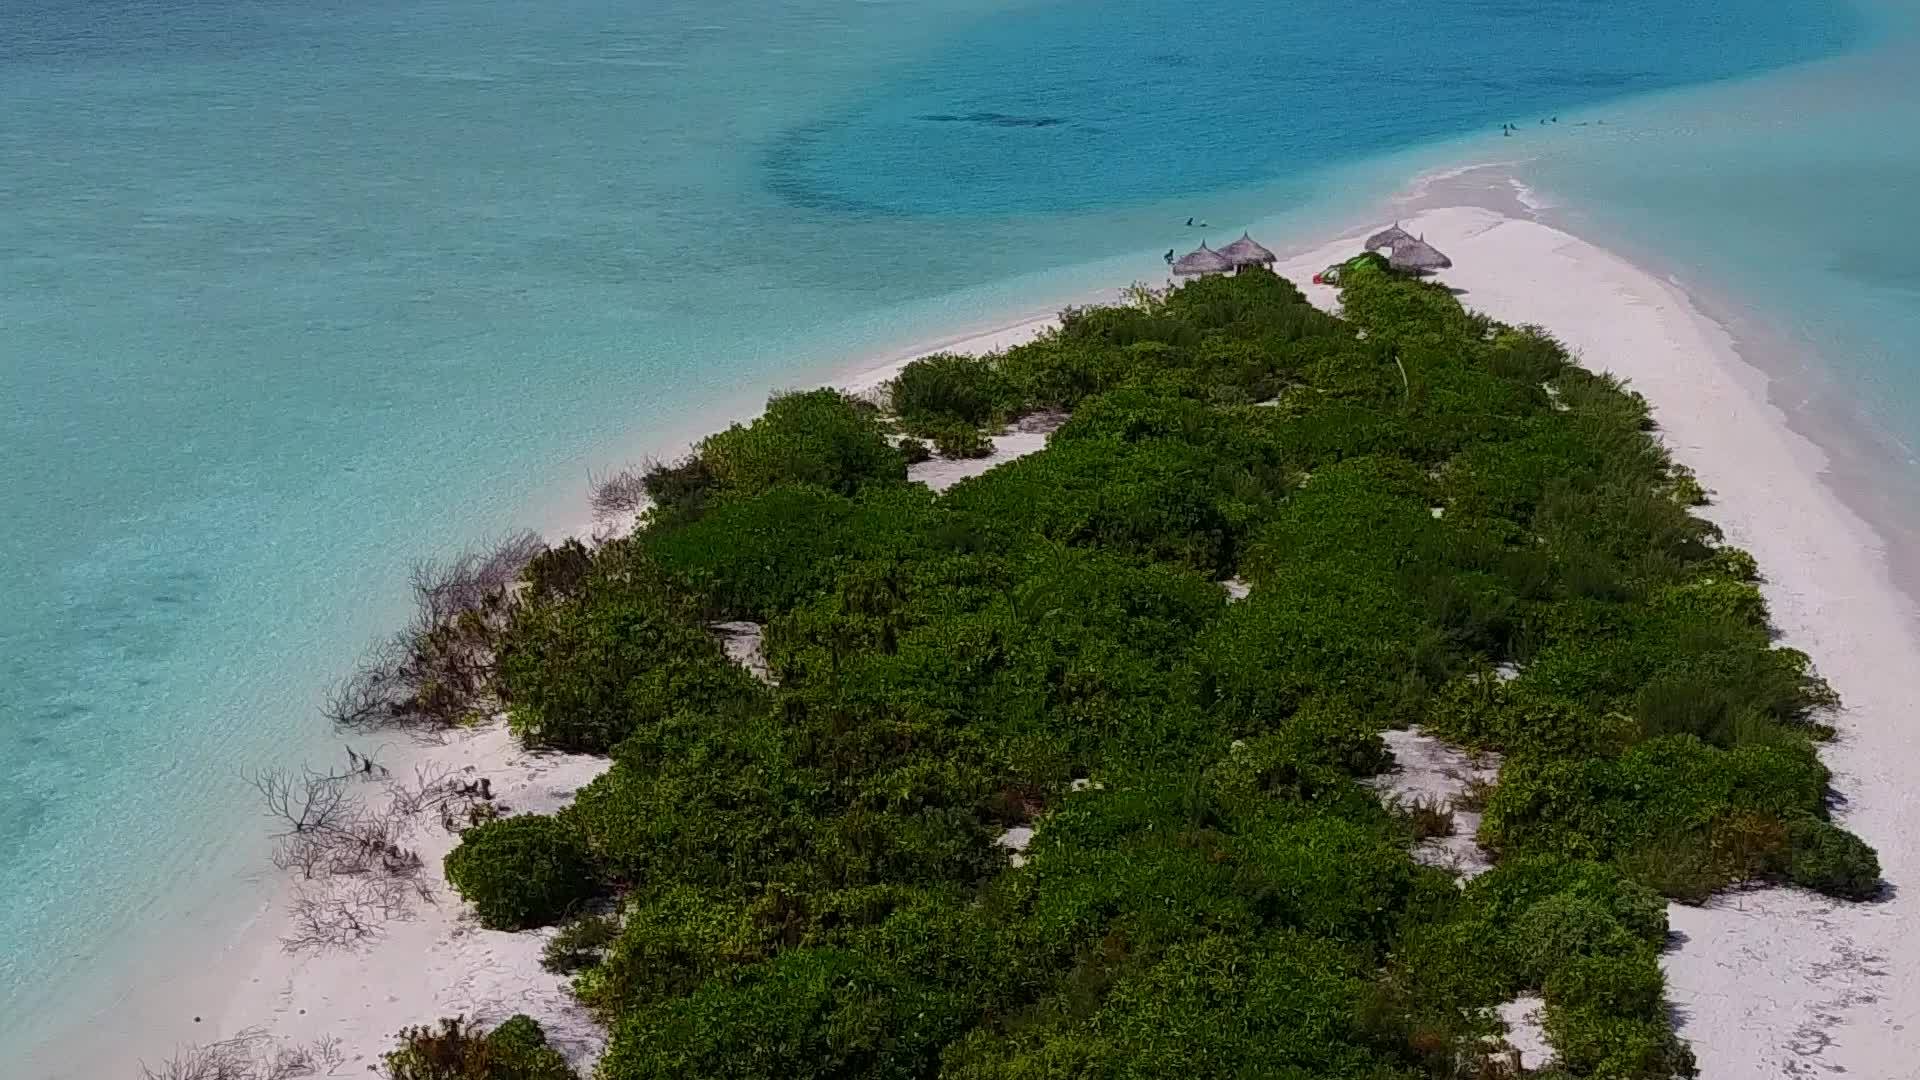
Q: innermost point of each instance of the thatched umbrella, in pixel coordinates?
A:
(1202, 260)
(1417, 256)
(1388, 237)
(1246, 252)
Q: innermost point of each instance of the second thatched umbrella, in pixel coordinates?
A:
(1247, 252)
(1202, 260)
(1417, 256)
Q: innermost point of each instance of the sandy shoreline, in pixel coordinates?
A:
(1766, 983)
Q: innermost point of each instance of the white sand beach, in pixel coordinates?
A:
(436, 962)
(1766, 983)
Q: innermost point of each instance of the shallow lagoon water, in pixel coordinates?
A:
(293, 293)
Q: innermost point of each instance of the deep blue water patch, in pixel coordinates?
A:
(1081, 105)
(994, 119)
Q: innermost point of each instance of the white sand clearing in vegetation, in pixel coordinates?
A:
(745, 644)
(1016, 841)
(1525, 1033)
(1028, 435)
(1430, 772)
(1778, 982)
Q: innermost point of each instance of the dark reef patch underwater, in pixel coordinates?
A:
(1065, 107)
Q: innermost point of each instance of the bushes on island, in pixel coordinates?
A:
(457, 1050)
(820, 437)
(945, 389)
(520, 871)
(914, 451)
(581, 671)
(1826, 858)
(1443, 522)
(956, 440)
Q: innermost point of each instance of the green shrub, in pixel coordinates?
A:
(1482, 712)
(820, 437)
(1624, 983)
(557, 571)
(1255, 305)
(1161, 500)
(1734, 563)
(756, 555)
(1831, 860)
(759, 556)
(582, 672)
(1595, 1042)
(1330, 731)
(669, 947)
(913, 451)
(516, 1050)
(520, 871)
(956, 440)
(962, 391)
(1679, 705)
(685, 483)
(649, 829)
(1685, 817)
(1057, 373)
(1566, 926)
(1528, 355)
(580, 943)
(807, 1014)
(1277, 1005)
(1516, 885)
(1333, 631)
(1727, 598)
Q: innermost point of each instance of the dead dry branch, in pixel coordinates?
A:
(437, 672)
(250, 1055)
(335, 915)
(350, 853)
(618, 493)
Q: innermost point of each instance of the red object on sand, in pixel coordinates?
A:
(1317, 280)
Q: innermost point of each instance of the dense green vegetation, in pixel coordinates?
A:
(808, 877)
(520, 871)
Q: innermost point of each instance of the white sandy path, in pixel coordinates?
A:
(1028, 435)
(1429, 771)
(1778, 982)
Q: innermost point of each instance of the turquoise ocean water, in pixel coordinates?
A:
(1784, 202)
(291, 293)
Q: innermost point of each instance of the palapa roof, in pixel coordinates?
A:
(1388, 237)
(1202, 260)
(1417, 255)
(1246, 252)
